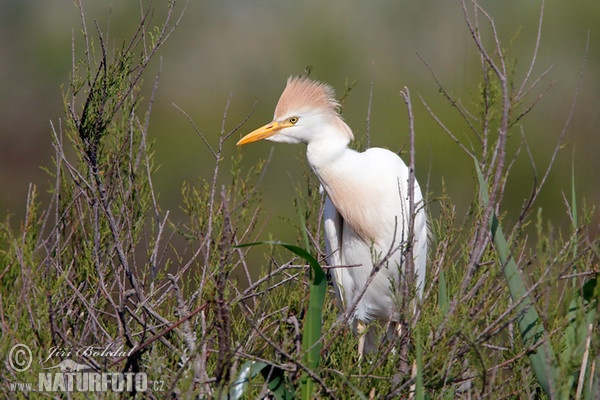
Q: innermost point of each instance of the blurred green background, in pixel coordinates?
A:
(243, 51)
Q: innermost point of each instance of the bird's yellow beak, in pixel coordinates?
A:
(264, 132)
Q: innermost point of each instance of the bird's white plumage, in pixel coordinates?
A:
(366, 214)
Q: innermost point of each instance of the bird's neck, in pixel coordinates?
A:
(328, 146)
(323, 154)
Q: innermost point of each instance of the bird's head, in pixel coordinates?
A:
(307, 110)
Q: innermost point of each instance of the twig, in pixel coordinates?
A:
(520, 92)
(197, 131)
(153, 339)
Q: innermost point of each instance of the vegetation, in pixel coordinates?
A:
(509, 311)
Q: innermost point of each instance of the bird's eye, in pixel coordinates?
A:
(293, 120)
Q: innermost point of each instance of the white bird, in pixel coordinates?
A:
(366, 213)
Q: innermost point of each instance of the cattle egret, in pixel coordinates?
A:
(366, 214)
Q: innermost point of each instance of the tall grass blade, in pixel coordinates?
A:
(314, 319)
(314, 315)
(419, 389)
(542, 358)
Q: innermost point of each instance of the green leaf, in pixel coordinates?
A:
(419, 388)
(274, 376)
(542, 359)
(313, 323)
(311, 345)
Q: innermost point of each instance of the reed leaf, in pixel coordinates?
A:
(274, 377)
(313, 323)
(541, 357)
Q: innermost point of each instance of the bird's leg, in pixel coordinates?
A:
(402, 339)
(398, 329)
(372, 394)
(361, 328)
(413, 375)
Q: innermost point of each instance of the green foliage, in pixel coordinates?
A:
(275, 378)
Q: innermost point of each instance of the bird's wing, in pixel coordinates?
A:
(333, 224)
